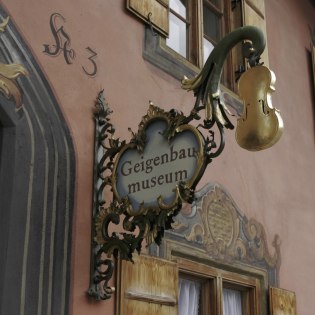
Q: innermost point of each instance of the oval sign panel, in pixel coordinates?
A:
(150, 177)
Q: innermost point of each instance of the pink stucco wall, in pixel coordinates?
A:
(274, 186)
(289, 25)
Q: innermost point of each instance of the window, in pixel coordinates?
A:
(183, 287)
(179, 25)
(212, 25)
(232, 302)
(189, 29)
(204, 290)
(192, 293)
(195, 27)
(186, 36)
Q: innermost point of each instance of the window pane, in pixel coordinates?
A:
(207, 48)
(211, 26)
(179, 6)
(189, 296)
(232, 302)
(177, 35)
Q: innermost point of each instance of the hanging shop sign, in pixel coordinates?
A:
(153, 172)
(140, 185)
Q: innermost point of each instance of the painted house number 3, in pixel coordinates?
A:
(62, 46)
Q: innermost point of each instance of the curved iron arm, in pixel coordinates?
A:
(206, 85)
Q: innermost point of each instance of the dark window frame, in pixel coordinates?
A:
(214, 279)
(157, 52)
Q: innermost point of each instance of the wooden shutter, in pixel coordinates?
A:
(282, 302)
(159, 10)
(149, 286)
(254, 14)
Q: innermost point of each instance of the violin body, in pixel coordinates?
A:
(260, 125)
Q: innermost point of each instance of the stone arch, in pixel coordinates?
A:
(37, 176)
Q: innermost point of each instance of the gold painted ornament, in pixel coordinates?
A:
(8, 74)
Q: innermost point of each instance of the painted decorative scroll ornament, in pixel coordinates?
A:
(8, 74)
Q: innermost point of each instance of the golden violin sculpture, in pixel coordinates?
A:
(261, 125)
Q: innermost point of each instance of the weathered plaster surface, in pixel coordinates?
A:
(275, 186)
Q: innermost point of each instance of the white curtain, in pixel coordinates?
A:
(189, 293)
(232, 302)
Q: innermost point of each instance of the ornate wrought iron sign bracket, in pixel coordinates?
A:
(150, 177)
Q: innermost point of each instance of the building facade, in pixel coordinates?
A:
(250, 225)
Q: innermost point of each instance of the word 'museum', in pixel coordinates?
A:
(146, 166)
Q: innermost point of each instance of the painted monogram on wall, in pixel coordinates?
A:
(62, 45)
